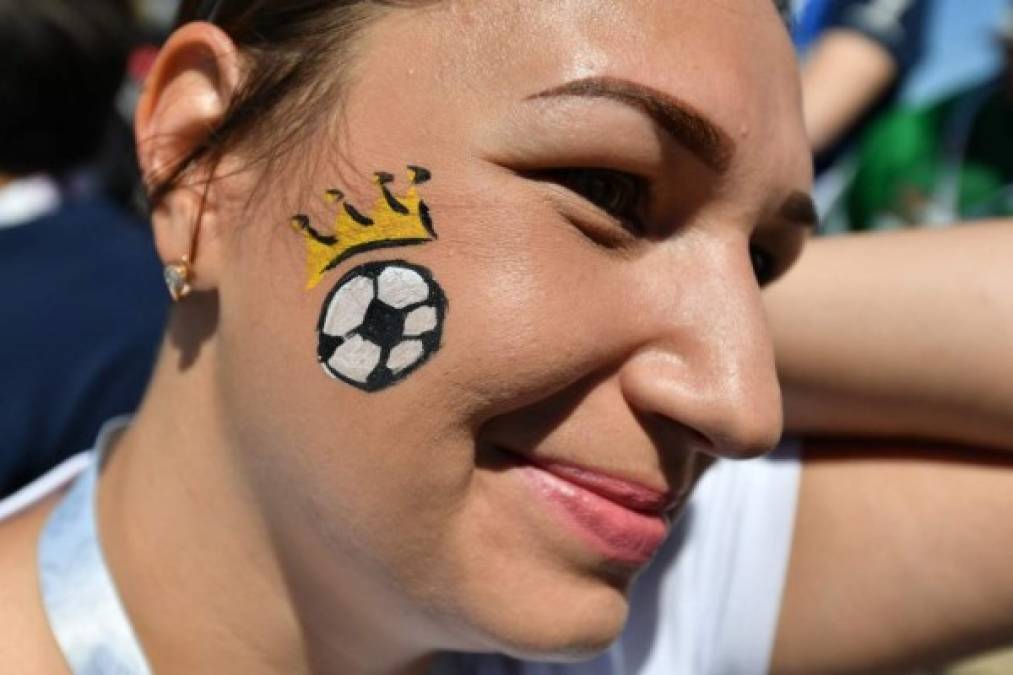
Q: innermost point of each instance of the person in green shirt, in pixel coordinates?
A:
(942, 163)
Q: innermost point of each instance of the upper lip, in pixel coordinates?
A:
(631, 494)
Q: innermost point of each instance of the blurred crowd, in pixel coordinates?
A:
(908, 105)
(83, 305)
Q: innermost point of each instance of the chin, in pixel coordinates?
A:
(570, 622)
(527, 585)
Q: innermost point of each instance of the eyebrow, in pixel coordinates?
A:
(800, 209)
(708, 142)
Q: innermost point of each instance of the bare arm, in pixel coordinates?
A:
(902, 558)
(845, 75)
(903, 554)
(906, 334)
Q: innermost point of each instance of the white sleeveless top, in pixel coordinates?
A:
(707, 605)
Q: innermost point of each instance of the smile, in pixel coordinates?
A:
(622, 522)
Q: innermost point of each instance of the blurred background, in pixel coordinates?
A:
(908, 107)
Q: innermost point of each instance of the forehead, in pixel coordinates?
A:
(730, 59)
(580, 35)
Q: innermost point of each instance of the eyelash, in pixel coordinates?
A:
(623, 196)
(620, 194)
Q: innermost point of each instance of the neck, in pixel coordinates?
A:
(5, 179)
(184, 537)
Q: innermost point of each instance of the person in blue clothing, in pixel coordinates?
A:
(941, 163)
(469, 299)
(81, 305)
(856, 55)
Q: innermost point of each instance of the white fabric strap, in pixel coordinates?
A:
(27, 199)
(45, 485)
(84, 610)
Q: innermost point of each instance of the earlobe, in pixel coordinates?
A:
(185, 99)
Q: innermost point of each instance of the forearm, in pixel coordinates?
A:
(901, 559)
(900, 334)
(841, 80)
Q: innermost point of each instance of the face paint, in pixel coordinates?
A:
(393, 221)
(381, 322)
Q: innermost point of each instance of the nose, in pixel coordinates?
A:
(707, 362)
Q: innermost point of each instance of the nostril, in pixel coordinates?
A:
(683, 452)
(746, 439)
(670, 435)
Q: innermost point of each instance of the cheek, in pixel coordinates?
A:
(367, 458)
(529, 312)
(341, 469)
(385, 483)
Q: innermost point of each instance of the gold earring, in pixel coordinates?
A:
(177, 278)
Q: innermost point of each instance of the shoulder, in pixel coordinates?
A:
(26, 643)
(898, 26)
(90, 231)
(91, 246)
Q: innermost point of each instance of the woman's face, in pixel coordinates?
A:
(601, 172)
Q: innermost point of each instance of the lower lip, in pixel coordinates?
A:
(612, 531)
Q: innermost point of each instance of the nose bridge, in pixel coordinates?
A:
(735, 367)
(709, 363)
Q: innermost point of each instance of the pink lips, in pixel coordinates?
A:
(621, 521)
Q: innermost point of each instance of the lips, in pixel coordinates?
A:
(625, 493)
(619, 521)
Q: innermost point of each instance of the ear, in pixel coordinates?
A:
(185, 98)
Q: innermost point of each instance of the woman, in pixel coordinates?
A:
(447, 358)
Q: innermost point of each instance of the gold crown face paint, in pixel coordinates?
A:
(382, 320)
(393, 221)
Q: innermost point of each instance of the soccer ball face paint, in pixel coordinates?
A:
(385, 319)
(381, 322)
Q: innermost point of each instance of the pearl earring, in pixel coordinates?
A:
(177, 279)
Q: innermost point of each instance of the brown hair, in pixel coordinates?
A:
(286, 44)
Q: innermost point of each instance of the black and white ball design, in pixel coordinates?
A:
(382, 321)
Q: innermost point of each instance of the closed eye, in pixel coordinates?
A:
(620, 194)
(624, 197)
